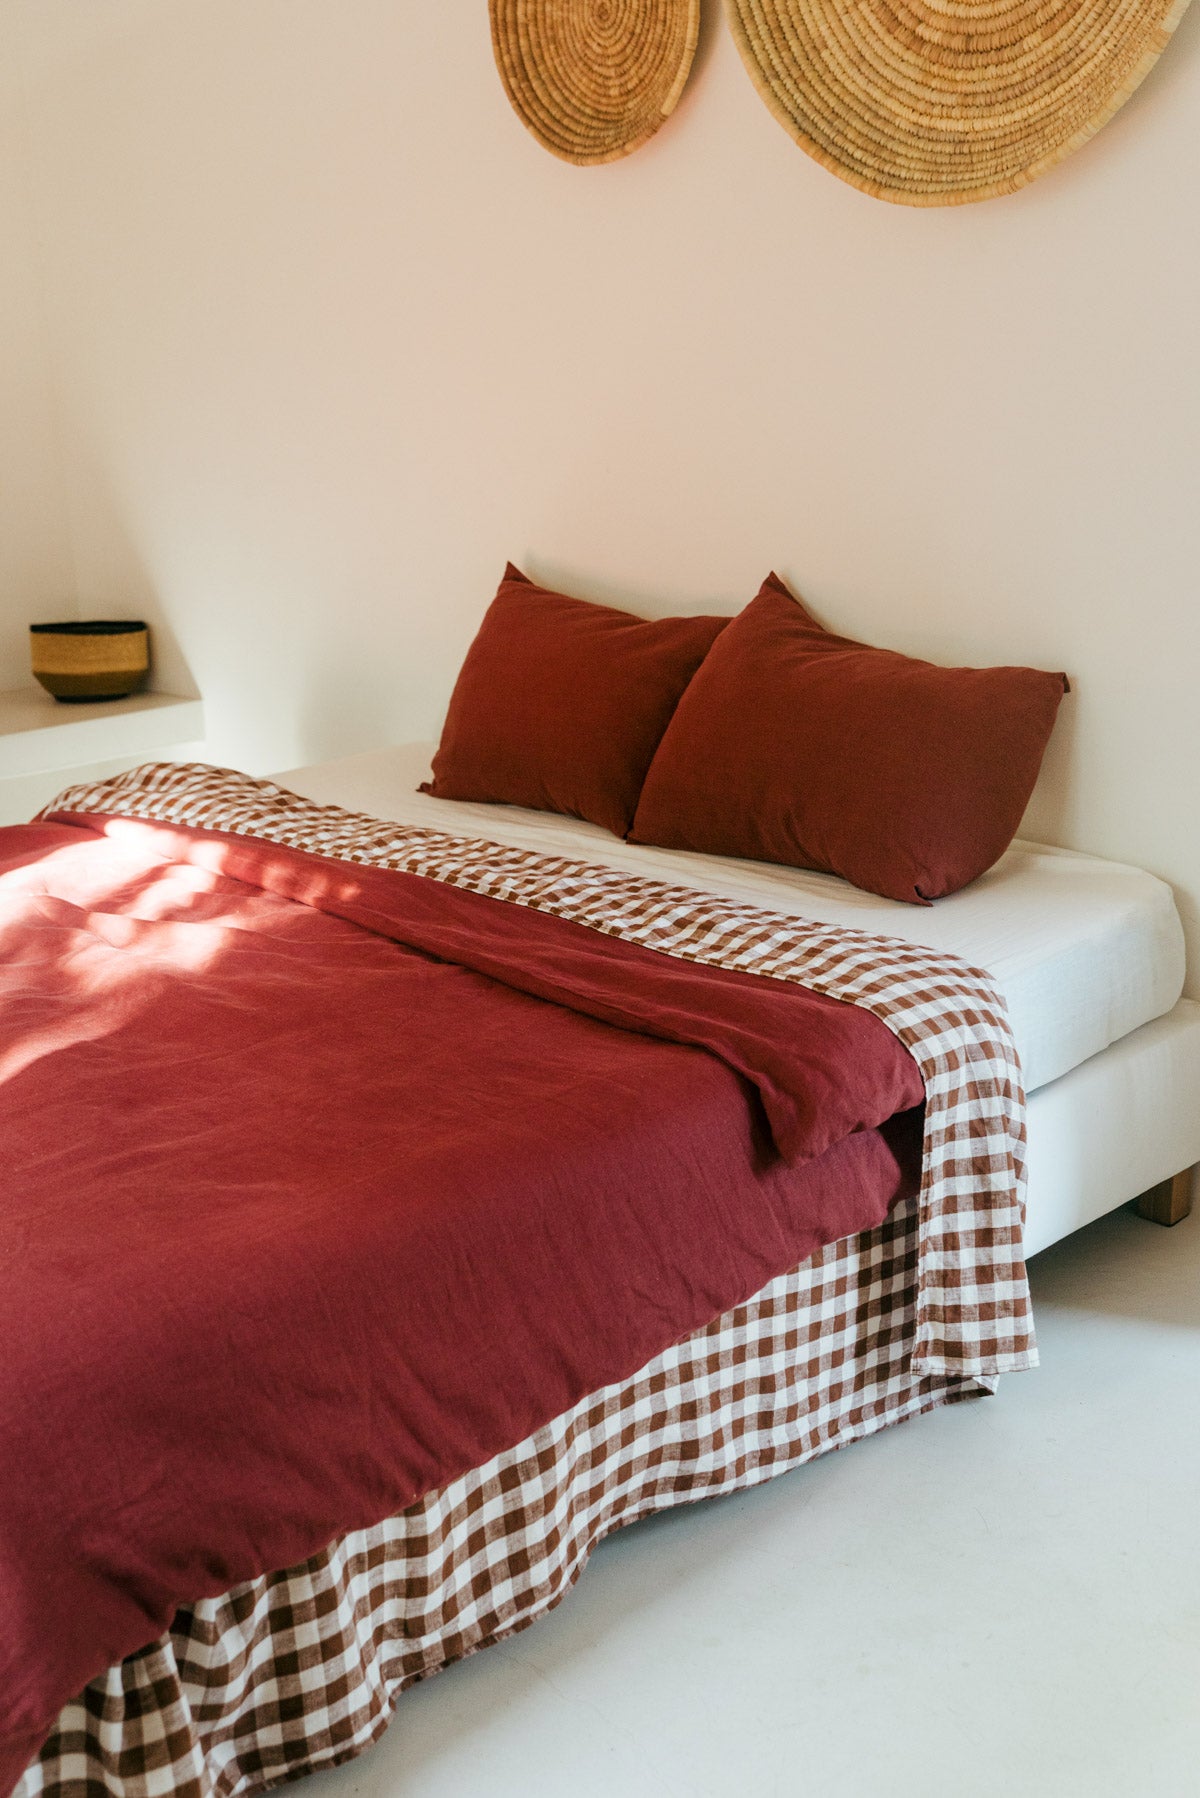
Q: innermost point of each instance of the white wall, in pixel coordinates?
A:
(36, 577)
(333, 337)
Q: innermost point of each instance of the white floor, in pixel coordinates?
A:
(1002, 1598)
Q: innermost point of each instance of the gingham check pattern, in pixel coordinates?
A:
(299, 1670)
(973, 1313)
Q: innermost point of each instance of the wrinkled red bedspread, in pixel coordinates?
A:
(323, 1184)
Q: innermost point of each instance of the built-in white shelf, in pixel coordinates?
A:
(38, 735)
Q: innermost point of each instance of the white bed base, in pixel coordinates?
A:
(1114, 1127)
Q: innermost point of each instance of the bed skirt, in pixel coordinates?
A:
(300, 1670)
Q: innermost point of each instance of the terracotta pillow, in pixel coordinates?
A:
(561, 704)
(792, 745)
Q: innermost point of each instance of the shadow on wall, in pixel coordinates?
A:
(120, 582)
(1050, 812)
(712, 23)
(346, 698)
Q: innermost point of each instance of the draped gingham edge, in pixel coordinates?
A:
(300, 1670)
(973, 1307)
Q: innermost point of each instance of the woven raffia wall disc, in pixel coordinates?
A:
(593, 79)
(934, 102)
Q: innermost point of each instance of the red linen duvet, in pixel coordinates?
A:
(321, 1184)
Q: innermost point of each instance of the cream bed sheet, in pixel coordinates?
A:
(1085, 951)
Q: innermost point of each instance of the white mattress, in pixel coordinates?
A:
(1084, 951)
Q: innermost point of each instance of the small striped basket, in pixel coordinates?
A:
(100, 658)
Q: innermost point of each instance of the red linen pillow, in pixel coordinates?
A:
(793, 745)
(560, 704)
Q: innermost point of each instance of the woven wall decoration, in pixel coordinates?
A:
(593, 79)
(936, 102)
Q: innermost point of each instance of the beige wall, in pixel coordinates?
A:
(333, 337)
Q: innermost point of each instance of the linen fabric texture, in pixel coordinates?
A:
(560, 704)
(973, 1301)
(965, 1310)
(303, 1259)
(300, 1670)
(797, 746)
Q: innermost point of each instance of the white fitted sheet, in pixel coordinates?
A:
(1083, 950)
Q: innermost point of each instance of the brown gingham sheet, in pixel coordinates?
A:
(300, 1669)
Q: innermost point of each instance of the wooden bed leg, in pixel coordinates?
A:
(1170, 1201)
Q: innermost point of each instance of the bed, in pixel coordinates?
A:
(299, 1666)
(1088, 954)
